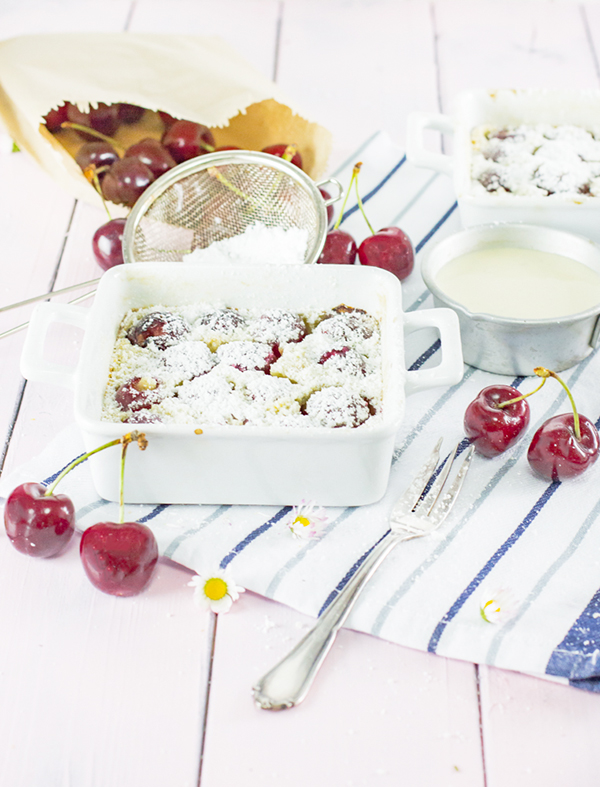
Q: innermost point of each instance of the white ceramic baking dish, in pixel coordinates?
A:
(499, 108)
(243, 464)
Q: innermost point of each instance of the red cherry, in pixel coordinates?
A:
(492, 429)
(56, 117)
(185, 140)
(119, 559)
(390, 249)
(38, 524)
(104, 118)
(107, 243)
(279, 150)
(135, 395)
(167, 119)
(154, 155)
(126, 180)
(129, 113)
(555, 452)
(326, 195)
(339, 249)
(96, 154)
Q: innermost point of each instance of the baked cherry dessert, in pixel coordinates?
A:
(185, 140)
(336, 407)
(496, 419)
(565, 445)
(159, 330)
(37, 522)
(139, 393)
(222, 321)
(343, 359)
(119, 558)
(187, 360)
(346, 326)
(278, 326)
(248, 356)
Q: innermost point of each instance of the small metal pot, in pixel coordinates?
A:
(512, 346)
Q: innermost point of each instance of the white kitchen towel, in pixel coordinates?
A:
(509, 529)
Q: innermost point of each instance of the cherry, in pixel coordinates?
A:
(37, 523)
(154, 155)
(126, 180)
(129, 113)
(493, 429)
(107, 243)
(185, 140)
(288, 152)
(326, 195)
(160, 329)
(56, 117)
(167, 119)
(137, 394)
(339, 249)
(97, 155)
(556, 453)
(390, 249)
(119, 559)
(104, 118)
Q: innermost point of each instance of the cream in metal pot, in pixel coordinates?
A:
(525, 296)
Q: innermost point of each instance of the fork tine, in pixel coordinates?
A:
(442, 507)
(425, 505)
(416, 487)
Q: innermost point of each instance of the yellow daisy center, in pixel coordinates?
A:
(215, 588)
(302, 520)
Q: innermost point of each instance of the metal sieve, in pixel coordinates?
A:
(218, 196)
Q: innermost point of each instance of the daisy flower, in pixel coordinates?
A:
(498, 606)
(215, 591)
(306, 521)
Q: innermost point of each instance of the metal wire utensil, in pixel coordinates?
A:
(421, 510)
(213, 197)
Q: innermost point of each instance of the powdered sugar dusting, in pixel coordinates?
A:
(258, 244)
(314, 370)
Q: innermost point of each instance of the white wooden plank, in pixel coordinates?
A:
(536, 732)
(250, 26)
(358, 67)
(377, 713)
(92, 688)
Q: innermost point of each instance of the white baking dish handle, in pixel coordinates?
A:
(415, 148)
(33, 364)
(451, 368)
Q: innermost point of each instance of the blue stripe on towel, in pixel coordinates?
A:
(577, 657)
(254, 534)
(498, 554)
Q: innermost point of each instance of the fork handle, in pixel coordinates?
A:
(287, 684)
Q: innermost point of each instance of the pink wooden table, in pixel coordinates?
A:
(150, 691)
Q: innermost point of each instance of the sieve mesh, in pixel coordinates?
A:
(219, 196)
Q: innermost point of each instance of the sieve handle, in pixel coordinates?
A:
(33, 364)
(451, 368)
(337, 185)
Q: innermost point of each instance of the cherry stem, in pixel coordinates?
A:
(139, 437)
(91, 174)
(93, 133)
(290, 152)
(542, 372)
(207, 147)
(358, 199)
(502, 405)
(355, 172)
(214, 173)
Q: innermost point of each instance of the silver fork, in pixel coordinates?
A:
(414, 515)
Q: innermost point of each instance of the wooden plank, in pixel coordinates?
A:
(537, 732)
(358, 67)
(377, 713)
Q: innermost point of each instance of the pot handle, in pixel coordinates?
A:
(450, 370)
(33, 364)
(415, 149)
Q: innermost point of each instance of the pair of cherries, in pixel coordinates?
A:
(563, 447)
(389, 248)
(119, 558)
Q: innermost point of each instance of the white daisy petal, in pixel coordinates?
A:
(307, 522)
(498, 605)
(215, 590)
